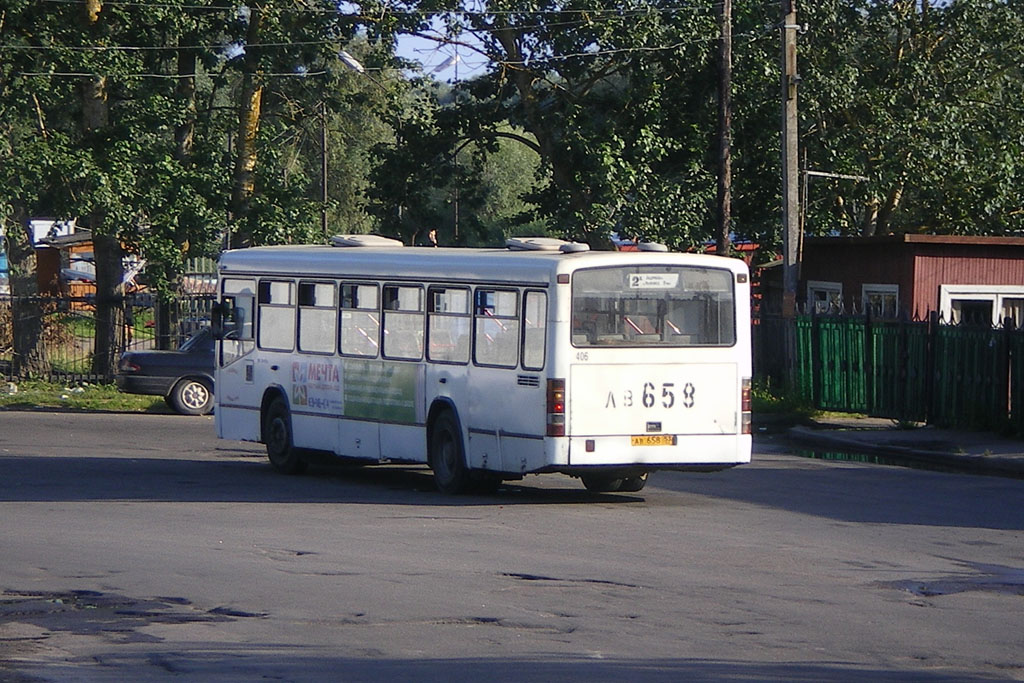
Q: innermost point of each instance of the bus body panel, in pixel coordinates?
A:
(648, 399)
(504, 417)
(357, 439)
(237, 423)
(482, 450)
(403, 443)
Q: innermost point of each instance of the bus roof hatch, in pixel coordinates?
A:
(364, 241)
(544, 244)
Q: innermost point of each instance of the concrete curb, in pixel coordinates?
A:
(992, 465)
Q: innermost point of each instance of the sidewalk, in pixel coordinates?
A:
(976, 452)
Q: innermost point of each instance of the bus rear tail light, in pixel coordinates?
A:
(556, 407)
(745, 415)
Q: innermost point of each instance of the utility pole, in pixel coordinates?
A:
(323, 168)
(790, 172)
(724, 129)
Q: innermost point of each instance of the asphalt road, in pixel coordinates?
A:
(139, 547)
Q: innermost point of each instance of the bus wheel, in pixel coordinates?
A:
(601, 483)
(277, 433)
(634, 484)
(446, 457)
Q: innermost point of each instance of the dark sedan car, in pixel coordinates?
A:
(183, 377)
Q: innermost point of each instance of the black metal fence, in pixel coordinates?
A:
(910, 370)
(67, 328)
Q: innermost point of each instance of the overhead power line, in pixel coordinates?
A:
(155, 48)
(593, 11)
(79, 74)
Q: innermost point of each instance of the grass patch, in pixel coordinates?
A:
(86, 397)
(78, 325)
(771, 401)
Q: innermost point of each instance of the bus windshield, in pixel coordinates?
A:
(653, 306)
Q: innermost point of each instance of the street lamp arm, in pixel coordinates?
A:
(837, 176)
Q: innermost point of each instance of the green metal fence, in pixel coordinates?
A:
(921, 371)
(897, 358)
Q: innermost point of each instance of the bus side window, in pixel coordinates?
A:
(496, 338)
(535, 312)
(359, 324)
(277, 315)
(403, 322)
(448, 324)
(316, 317)
(238, 302)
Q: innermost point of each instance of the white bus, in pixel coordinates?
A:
(487, 364)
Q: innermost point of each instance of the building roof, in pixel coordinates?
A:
(80, 236)
(912, 238)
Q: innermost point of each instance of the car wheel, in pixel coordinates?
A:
(192, 397)
(277, 434)
(446, 457)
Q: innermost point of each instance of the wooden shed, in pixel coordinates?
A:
(64, 265)
(964, 279)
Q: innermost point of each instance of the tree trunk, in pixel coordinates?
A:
(245, 142)
(30, 359)
(106, 247)
(870, 221)
(184, 132)
(555, 154)
(892, 202)
(107, 253)
(184, 137)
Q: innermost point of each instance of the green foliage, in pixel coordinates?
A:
(925, 105)
(158, 195)
(620, 102)
(616, 101)
(590, 119)
(769, 400)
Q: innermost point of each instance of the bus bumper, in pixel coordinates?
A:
(689, 451)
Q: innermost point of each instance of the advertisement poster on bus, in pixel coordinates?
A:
(377, 390)
(316, 385)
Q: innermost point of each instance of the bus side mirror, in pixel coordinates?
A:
(218, 314)
(237, 323)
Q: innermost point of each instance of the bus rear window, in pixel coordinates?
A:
(653, 306)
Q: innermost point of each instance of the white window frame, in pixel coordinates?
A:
(867, 290)
(994, 293)
(831, 288)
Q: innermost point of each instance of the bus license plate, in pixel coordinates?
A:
(653, 440)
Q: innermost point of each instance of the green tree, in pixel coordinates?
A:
(923, 100)
(122, 115)
(613, 100)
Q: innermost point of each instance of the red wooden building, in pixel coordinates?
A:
(976, 279)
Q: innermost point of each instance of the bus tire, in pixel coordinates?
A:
(601, 483)
(277, 434)
(634, 484)
(447, 458)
